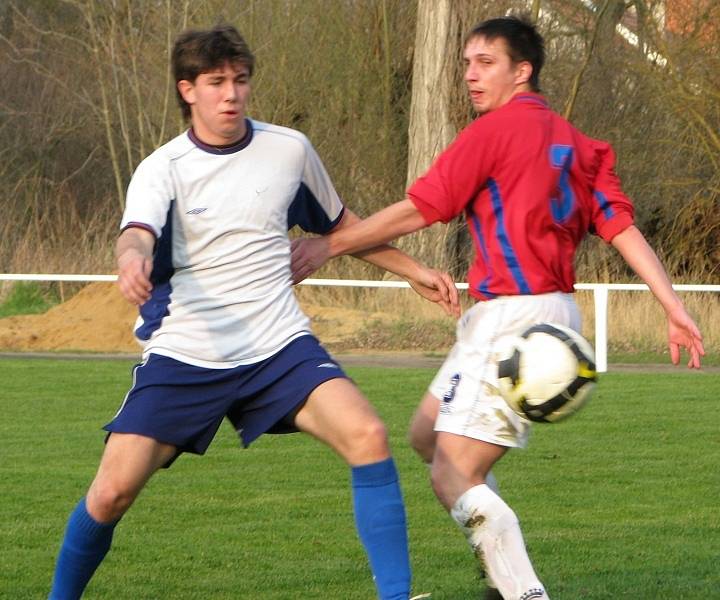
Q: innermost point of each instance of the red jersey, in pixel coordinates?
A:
(531, 187)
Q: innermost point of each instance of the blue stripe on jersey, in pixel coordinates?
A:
(508, 252)
(604, 204)
(308, 213)
(482, 286)
(163, 268)
(156, 308)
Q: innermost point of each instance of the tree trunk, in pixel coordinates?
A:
(437, 52)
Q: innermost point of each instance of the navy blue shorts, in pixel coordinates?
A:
(183, 405)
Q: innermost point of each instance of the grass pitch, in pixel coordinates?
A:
(618, 502)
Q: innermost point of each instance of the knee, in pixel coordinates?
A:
(367, 442)
(108, 501)
(372, 434)
(449, 481)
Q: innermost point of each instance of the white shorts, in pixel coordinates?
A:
(466, 384)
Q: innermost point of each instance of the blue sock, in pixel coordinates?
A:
(381, 524)
(85, 544)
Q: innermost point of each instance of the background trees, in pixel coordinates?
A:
(375, 85)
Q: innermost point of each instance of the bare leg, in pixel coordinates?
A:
(337, 414)
(459, 470)
(423, 436)
(127, 463)
(422, 433)
(423, 439)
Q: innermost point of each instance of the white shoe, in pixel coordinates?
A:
(420, 596)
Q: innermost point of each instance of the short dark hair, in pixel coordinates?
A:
(523, 41)
(201, 51)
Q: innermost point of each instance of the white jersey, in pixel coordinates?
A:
(222, 293)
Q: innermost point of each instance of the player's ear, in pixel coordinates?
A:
(523, 72)
(187, 90)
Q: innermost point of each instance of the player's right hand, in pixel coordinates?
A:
(134, 276)
(307, 256)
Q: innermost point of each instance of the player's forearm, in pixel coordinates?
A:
(384, 226)
(135, 241)
(391, 259)
(640, 256)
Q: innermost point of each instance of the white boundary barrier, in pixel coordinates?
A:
(600, 296)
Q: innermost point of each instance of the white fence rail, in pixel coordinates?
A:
(600, 296)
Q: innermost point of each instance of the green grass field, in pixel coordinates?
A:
(621, 501)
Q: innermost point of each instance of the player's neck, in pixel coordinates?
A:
(523, 88)
(210, 138)
(206, 138)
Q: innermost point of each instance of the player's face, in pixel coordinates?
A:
(218, 100)
(491, 76)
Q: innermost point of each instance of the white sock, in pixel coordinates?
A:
(492, 483)
(496, 539)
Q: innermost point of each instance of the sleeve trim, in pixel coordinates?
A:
(428, 212)
(138, 225)
(336, 221)
(617, 225)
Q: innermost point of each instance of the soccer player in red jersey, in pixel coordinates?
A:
(531, 186)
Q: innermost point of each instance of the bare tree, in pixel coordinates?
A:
(436, 52)
(431, 126)
(600, 47)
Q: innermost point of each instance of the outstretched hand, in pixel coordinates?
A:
(682, 332)
(438, 287)
(307, 256)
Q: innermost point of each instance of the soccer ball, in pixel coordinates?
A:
(547, 373)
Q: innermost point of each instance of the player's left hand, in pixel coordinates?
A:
(683, 332)
(307, 256)
(437, 287)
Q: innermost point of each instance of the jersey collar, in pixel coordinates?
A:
(228, 149)
(530, 98)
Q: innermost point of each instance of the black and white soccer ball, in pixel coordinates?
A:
(547, 373)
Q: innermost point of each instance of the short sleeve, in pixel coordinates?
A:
(149, 195)
(612, 210)
(456, 176)
(316, 207)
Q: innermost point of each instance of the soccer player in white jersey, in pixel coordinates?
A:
(204, 252)
(531, 186)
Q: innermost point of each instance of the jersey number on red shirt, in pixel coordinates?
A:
(561, 157)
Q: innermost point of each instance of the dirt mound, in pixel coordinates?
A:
(98, 319)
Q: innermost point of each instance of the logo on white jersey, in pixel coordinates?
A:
(196, 211)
